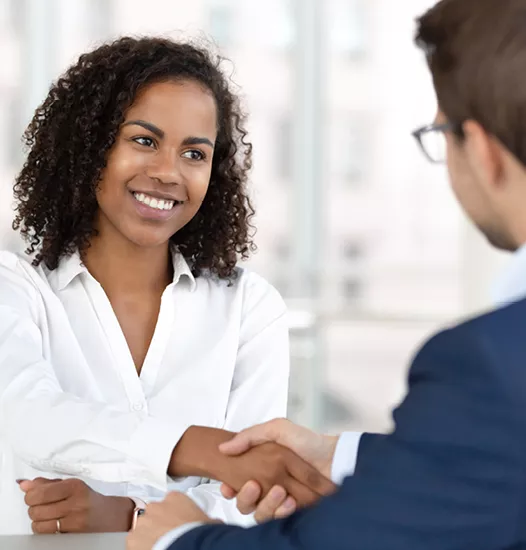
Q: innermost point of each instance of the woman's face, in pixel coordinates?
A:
(158, 170)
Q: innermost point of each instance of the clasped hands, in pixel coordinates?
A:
(309, 470)
(275, 468)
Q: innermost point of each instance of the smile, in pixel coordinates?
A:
(152, 202)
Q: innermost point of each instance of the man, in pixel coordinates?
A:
(452, 475)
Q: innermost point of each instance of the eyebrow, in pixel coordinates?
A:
(147, 126)
(160, 133)
(198, 141)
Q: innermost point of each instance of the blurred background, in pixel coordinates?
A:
(359, 233)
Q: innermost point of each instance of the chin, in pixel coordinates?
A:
(145, 240)
(499, 240)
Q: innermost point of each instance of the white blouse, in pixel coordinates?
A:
(72, 404)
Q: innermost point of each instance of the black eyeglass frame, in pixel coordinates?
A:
(419, 132)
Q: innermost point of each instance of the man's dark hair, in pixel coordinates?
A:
(476, 51)
(73, 130)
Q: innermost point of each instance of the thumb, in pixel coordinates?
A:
(28, 484)
(245, 440)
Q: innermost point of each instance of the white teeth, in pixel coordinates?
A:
(152, 202)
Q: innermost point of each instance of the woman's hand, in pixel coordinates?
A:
(267, 463)
(78, 508)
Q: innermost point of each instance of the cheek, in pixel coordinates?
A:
(119, 170)
(456, 171)
(198, 184)
(465, 189)
(124, 161)
(122, 165)
(458, 185)
(106, 191)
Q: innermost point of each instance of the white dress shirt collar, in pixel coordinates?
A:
(510, 286)
(69, 268)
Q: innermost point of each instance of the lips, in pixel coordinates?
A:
(155, 209)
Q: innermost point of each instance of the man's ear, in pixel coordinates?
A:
(484, 154)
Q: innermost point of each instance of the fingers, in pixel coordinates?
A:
(246, 439)
(47, 502)
(308, 476)
(286, 509)
(46, 527)
(248, 497)
(276, 504)
(267, 508)
(49, 527)
(227, 491)
(49, 512)
(28, 484)
(302, 494)
(48, 493)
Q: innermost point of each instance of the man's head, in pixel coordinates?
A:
(476, 51)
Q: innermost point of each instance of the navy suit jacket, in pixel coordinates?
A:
(452, 475)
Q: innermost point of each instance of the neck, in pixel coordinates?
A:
(516, 224)
(511, 205)
(126, 267)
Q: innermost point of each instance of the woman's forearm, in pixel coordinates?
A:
(197, 453)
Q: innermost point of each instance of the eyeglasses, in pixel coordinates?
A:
(432, 141)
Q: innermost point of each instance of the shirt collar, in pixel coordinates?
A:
(70, 267)
(510, 286)
(182, 268)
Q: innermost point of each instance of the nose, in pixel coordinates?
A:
(164, 167)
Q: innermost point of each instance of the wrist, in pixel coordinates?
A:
(138, 510)
(197, 453)
(119, 514)
(330, 444)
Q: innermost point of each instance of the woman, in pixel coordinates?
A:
(131, 345)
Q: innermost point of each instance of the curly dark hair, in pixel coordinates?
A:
(73, 130)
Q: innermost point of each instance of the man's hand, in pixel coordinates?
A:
(276, 504)
(78, 508)
(162, 517)
(272, 464)
(317, 450)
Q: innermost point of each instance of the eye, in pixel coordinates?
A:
(194, 154)
(145, 141)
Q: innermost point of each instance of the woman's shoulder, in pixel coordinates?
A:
(254, 282)
(254, 290)
(16, 270)
(243, 280)
(9, 259)
(17, 261)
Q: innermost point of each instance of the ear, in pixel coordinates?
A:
(484, 154)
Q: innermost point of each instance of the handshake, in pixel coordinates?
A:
(271, 469)
(297, 469)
